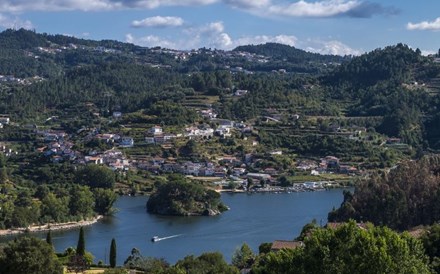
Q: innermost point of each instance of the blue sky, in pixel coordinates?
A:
(324, 26)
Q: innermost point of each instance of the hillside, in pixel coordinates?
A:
(289, 53)
(391, 90)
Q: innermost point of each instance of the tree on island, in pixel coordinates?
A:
(182, 197)
(113, 253)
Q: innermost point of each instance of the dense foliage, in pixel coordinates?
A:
(348, 249)
(181, 197)
(402, 198)
(431, 242)
(29, 255)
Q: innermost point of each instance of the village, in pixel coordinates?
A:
(239, 171)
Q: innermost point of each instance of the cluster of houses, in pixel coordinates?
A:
(157, 136)
(23, 81)
(326, 165)
(57, 147)
(113, 158)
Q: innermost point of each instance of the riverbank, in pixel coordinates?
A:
(52, 227)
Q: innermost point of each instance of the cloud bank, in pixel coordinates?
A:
(425, 25)
(214, 35)
(301, 8)
(158, 22)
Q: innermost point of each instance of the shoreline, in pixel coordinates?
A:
(52, 227)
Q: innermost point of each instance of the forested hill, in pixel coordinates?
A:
(44, 74)
(289, 53)
(25, 39)
(394, 64)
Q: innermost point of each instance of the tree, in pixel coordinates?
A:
(96, 176)
(403, 198)
(3, 171)
(29, 255)
(113, 253)
(206, 263)
(53, 208)
(190, 149)
(104, 200)
(49, 238)
(81, 246)
(243, 257)
(81, 202)
(431, 243)
(264, 248)
(77, 264)
(147, 264)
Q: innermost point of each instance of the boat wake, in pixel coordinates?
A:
(157, 238)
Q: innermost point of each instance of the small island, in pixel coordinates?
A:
(180, 197)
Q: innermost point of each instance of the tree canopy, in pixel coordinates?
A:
(29, 255)
(404, 197)
(349, 249)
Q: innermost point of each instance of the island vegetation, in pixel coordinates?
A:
(184, 198)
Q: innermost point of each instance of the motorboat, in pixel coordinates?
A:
(155, 239)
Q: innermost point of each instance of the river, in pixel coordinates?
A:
(253, 218)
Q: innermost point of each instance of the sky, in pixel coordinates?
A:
(340, 27)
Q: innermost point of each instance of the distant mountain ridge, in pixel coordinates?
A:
(27, 39)
(289, 53)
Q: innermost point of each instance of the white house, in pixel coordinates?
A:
(156, 130)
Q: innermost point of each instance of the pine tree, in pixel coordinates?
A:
(81, 247)
(113, 253)
(49, 238)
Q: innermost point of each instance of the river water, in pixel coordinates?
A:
(253, 218)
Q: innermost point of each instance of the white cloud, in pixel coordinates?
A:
(208, 29)
(92, 5)
(15, 23)
(158, 21)
(61, 5)
(271, 8)
(209, 35)
(151, 41)
(333, 47)
(325, 8)
(214, 35)
(425, 25)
